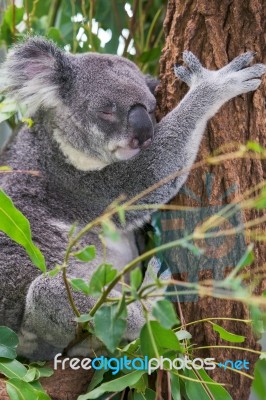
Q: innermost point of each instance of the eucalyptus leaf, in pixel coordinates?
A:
(175, 386)
(100, 278)
(15, 225)
(156, 335)
(164, 312)
(259, 383)
(80, 285)
(87, 254)
(12, 368)
(116, 385)
(109, 327)
(136, 278)
(8, 343)
(24, 390)
(224, 334)
(182, 334)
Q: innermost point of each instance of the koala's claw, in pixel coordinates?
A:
(192, 62)
(256, 71)
(239, 62)
(183, 73)
(194, 70)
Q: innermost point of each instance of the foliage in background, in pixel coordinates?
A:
(133, 29)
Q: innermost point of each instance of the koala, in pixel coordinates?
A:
(94, 139)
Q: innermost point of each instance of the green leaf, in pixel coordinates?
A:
(110, 231)
(84, 318)
(109, 327)
(80, 285)
(148, 395)
(259, 383)
(17, 227)
(217, 390)
(87, 254)
(142, 383)
(183, 334)
(164, 312)
(45, 372)
(194, 390)
(12, 392)
(5, 116)
(260, 202)
(27, 121)
(138, 396)
(72, 230)
(42, 395)
(136, 278)
(41, 392)
(116, 385)
(96, 379)
(24, 390)
(247, 258)
(101, 277)
(5, 168)
(165, 339)
(224, 334)
(55, 271)
(258, 317)
(150, 55)
(12, 368)
(121, 214)
(55, 34)
(11, 12)
(8, 343)
(31, 375)
(193, 248)
(254, 146)
(131, 347)
(175, 387)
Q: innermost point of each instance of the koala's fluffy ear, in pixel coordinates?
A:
(152, 83)
(34, 72)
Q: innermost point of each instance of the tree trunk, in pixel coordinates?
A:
(217, 31)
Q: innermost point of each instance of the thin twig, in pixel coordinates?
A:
(159, 385)
(17, 171)
(169, 391)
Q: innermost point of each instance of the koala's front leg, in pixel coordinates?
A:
(49, 321)
(178, 135)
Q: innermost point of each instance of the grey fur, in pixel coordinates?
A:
(83, 107)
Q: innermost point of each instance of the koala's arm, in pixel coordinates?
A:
(178, 135)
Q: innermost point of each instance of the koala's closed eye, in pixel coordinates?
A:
(108, 112)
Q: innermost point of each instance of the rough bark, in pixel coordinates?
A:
(217, 31)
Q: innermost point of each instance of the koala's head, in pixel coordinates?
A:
(100, 107)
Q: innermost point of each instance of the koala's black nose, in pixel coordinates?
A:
(140, 127)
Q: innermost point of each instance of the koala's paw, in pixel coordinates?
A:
(238, 77)
(233, 79)
(193, 73)
(239, 62)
